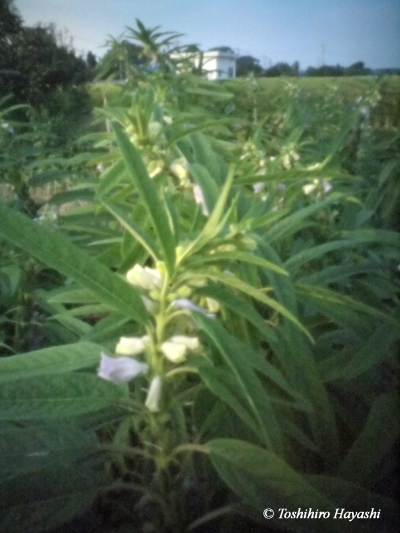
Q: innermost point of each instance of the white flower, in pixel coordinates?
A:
(131, 345)
(120, 369)
(327, 186)
(191, 343)
(286, 161)
(154, 394)
(184, 303)
(199, 199)
(258, 187)
(146, 278)
(179, 168)
(309, 188)
(176, 353)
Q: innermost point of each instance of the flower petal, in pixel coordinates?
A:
(184, 303)
(130, 346)
(191, 343)
(175, 352)
(120, 369)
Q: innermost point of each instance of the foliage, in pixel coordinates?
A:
(218, 312)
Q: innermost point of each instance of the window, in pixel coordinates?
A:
(230, 72)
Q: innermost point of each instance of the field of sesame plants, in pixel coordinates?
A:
(199, 314)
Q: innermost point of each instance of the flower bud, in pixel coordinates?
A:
(199, 199)
(179, 169)
(154, 129)
(154, 394)
(212, 305)
(184, 292)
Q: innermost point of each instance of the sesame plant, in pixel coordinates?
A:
(232, 310)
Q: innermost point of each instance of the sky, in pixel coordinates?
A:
(309, 31)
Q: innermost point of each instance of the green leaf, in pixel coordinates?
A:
(224, 387)
(264, 480)
(240, 285)
(258, 402)
(353, 497)
(58, 252)
(57, 396)
(149, 196)
(110, 178)
(47, 498)
(326, 298)
(376, 441)
(55, 360)
(297, 260)
(245, 257)
(375, 349)
(289, 225)
(36, 446)
(377, 236)
(241, 307)
(46, 177)
(134, 230)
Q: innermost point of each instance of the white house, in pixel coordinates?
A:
(216, 64)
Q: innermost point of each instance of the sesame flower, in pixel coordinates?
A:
(184, 303)
(176, 348)
(120, 369)
(131, 345)
(146, 278)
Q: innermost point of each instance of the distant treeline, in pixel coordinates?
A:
(246, 65)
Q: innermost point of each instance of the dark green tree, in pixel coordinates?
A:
(40, 65)
(246, 65)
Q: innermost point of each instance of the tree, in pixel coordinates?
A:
(246, 65)
(10, 21)
(357, 69)
(282, 69)
(325, 70)
(39, 64)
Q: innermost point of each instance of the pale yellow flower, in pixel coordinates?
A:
(130, 345)
(146, 278)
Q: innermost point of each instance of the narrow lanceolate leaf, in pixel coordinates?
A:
(325, 298)
(263, 480)
(257, 294)
(245, 257)
(57, 396)
(134, 230)
(110, 178)
(375, 442)
(55, 360)
(148, 194)
(289, 225)
(391, 238)
(257, 400)
(31, 447)
(56, 251)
